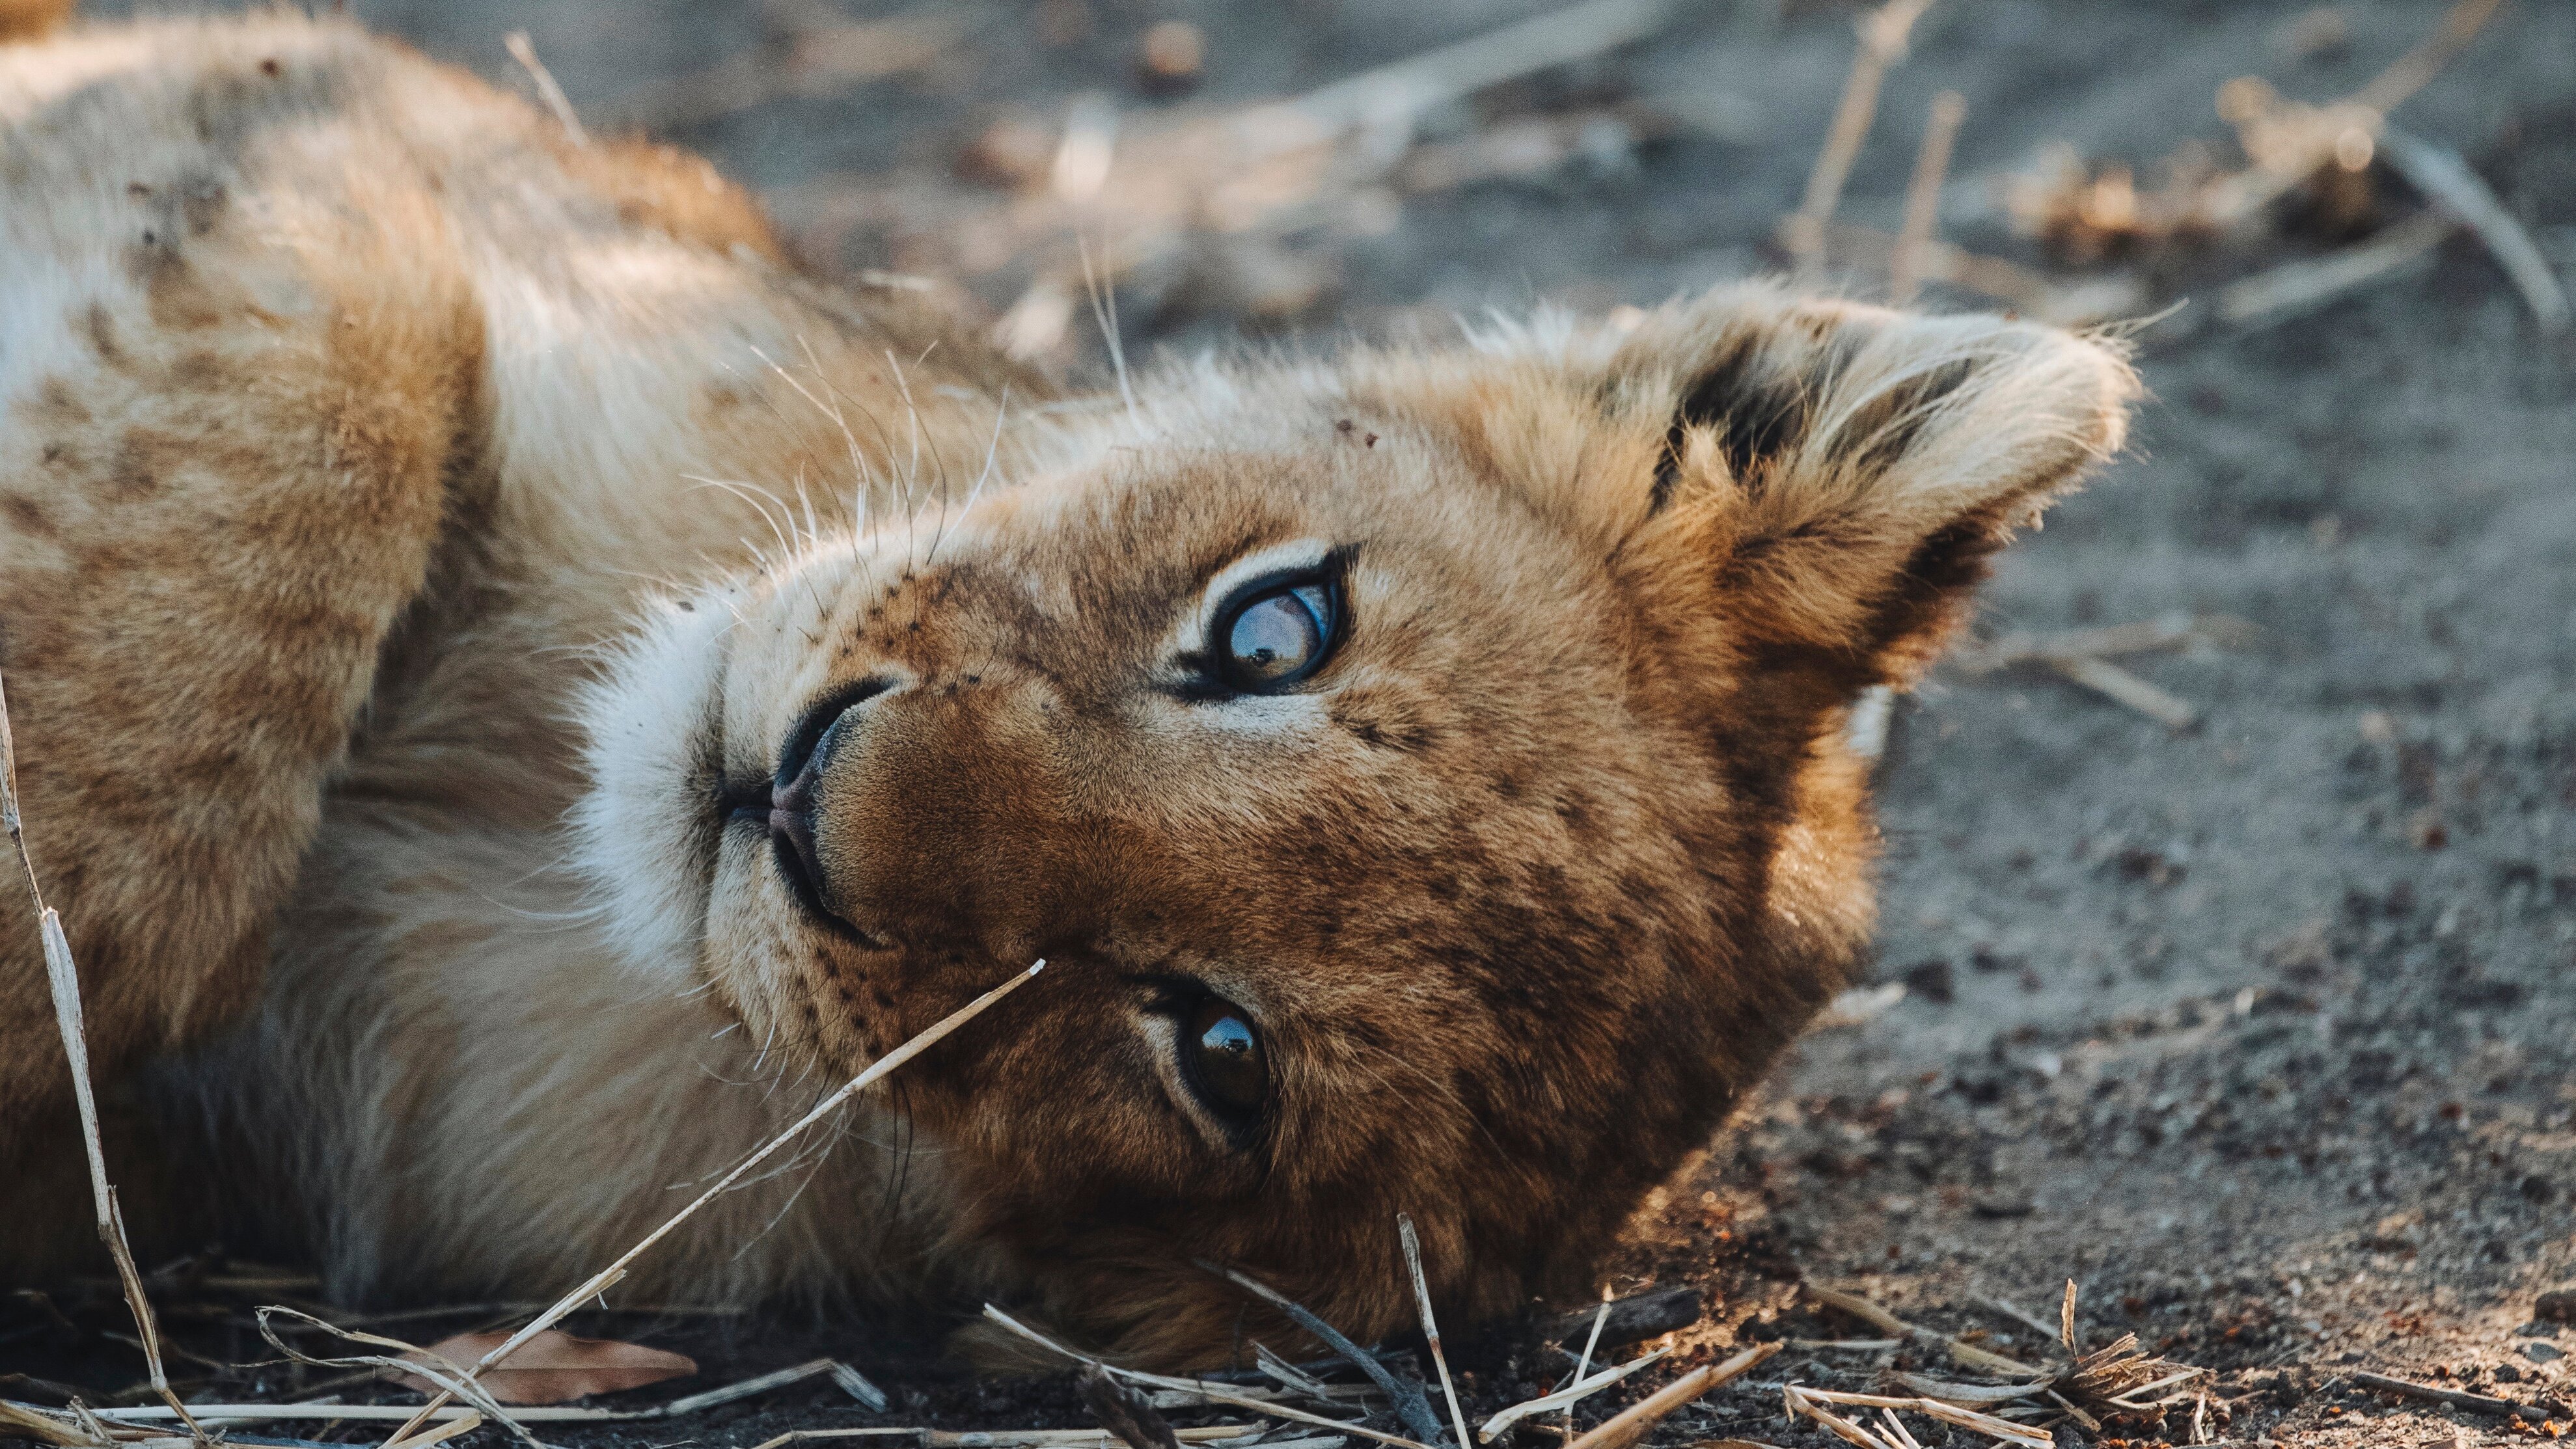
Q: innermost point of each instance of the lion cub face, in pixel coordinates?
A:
(1422, 775)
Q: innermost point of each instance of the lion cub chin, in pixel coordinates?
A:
(1421, 767)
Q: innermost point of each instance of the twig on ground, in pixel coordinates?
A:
(1026, 1438)
(1412, 1405)
(2116, 1378)
(600, 1281)
(1632, 1423)
(2455, 1398)
(2026, 1320)
(2079, 655)
(1803, 1400)
(2294, 289)
(2146, 636)
(1395, 94)
(733, 1393)
(444, 1432)
(1583, 1360)
(857, 1386)
(2446, 180)
(2428, 57)
(62, 978)
(1632, 1319)
(1882, 44)
(1967, 1354)
(2291, 143)
(1430, 1323)
(1923, 196)
(2119, 685)
(1970, 1396)
(1217, 1393)
(1564, 1398)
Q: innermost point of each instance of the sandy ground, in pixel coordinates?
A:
(2260, 1031)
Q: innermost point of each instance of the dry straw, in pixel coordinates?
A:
(63, 979)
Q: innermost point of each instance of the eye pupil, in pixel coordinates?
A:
(1226, 1056)
(1279, 637)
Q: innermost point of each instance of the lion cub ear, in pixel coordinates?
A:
(1840, 474)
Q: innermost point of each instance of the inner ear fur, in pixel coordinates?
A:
(1840, 474)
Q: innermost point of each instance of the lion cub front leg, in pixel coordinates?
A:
(221, 482)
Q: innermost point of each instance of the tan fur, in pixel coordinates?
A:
(407, 545)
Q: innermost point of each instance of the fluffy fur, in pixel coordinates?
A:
(406, 541)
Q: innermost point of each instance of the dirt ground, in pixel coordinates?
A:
(2260, 1031)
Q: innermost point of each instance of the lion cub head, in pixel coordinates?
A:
(1423, 773)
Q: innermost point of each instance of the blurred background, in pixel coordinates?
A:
(2231, 892)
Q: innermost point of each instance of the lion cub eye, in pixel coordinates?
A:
(1279, 636)
(1222, 1051)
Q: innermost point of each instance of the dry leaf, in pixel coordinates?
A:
(555, 1367)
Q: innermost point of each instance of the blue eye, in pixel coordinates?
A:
(1223, 1058)
(1279, 637)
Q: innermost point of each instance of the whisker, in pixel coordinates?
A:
(1107, 317)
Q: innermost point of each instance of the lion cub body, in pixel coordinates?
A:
(423, 538)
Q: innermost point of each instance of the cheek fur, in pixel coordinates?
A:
(644, 834)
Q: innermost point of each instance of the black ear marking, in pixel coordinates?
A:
(1763, 402)
(1762, 407)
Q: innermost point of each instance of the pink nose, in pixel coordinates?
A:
(791, 825)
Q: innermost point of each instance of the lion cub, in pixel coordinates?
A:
(518, 690)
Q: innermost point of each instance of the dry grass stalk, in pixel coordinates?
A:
(1583, 1361)
(2453, 1398)
(2081, 655)
(2120, 686)
(2289, 144)
(1412, 1407)
(1967, 1354)
(444, 1432)
(1882, 43)
(2118, 1378)
(1398, 93)
(1806, 1402)
(1030, 1438)
(1565, 1398)
(2146, 636)
(1217, 1393)
(62, 978)
(1634, 1422)
(601, 1281)
(2085, 212)
(2294, 289)
(2441, 174)
(1430, 1323)
(1923, 196)
(406, 1361)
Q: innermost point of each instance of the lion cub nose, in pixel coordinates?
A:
(791, 820)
